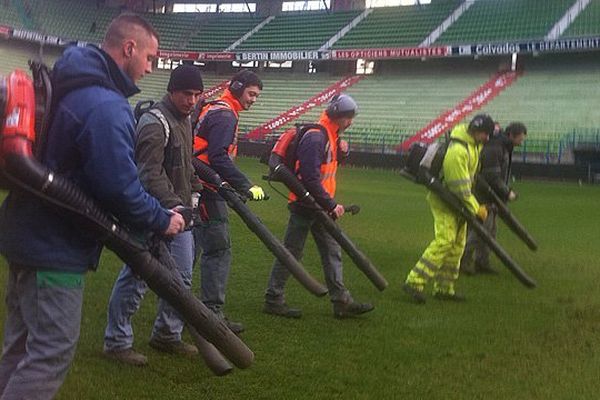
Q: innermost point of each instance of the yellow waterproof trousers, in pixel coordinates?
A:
(441, 259)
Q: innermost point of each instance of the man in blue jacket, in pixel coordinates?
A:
(90, 142)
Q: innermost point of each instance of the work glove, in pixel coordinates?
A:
(482, 212)
(512, 196)
(257, 193)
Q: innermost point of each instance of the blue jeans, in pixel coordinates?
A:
(41, 331)
(212, 237)
(128, 292)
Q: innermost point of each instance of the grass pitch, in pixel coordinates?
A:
(505, 342)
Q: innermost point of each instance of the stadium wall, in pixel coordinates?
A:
(585, 172)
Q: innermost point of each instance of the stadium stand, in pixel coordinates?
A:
(281, 92)
(298, 31)
(501, 20)
(154, 86)
(17, 55)
(9, 14)
(173, 28)
(555, 98)
(219, 31)
(71, 19)
(587, 23)
(395, 106)
(397, 26)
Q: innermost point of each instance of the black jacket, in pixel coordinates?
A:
(495, 161)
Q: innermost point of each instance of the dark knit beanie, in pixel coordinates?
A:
(185, 77)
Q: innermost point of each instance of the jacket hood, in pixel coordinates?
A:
(460, 133)
(92, 66)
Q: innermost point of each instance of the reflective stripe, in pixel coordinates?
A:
(423, 273)
(54, 279)
(163, 120)
(329, 161)
(200, 144)
(428, 264)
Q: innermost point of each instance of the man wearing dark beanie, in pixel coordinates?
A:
(163, 153)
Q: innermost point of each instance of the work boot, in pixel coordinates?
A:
(235, 327)
(127, 356)
(349, 310)
(416, 295)
(178, 347)
(444, 296)
(282, 310)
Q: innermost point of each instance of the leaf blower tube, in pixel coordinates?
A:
(509, 219)
(280, 172)
(207, 174)
(17, 164)
(213, 359)
(454, 203)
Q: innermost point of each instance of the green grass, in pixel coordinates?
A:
(506, 342)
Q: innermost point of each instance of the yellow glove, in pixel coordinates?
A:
(257, 193)
(482, 212)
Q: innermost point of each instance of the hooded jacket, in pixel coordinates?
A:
(91, 142)
(460, 166)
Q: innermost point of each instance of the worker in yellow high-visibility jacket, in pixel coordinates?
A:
(440, 261)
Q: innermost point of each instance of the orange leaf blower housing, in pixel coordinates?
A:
(17, 115)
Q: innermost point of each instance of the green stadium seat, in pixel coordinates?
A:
(501, 20)
(587, 22)
(298, 31)
(404, 26)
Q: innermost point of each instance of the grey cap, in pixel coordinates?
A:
(342, 106)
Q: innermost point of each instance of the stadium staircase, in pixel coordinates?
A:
(342, 32)
(397, 26)
(298, 31)
(297, 111)
(503, 20)
(586, 23)
(218, 32)
(437, 32)
(250, 33)
(215, 90)
(476, 100)
(566, 19)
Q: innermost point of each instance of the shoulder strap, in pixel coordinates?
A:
(158, 115)
(301, 130)
(197, 117)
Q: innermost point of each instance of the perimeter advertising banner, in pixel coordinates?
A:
(390, 53)
(551, 46)
(197, 55)
(467, 50)
(5, 31)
